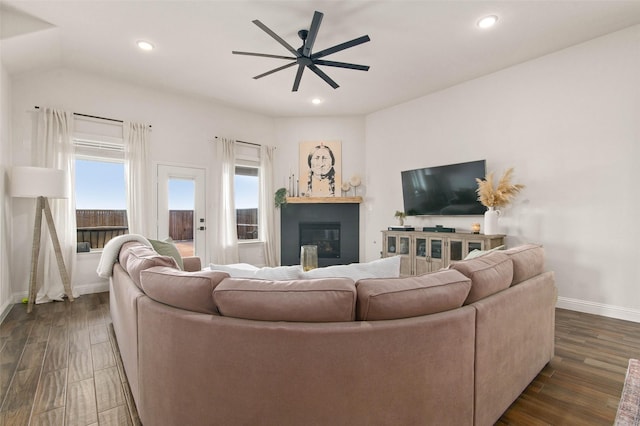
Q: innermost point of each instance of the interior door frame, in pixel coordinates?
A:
(165, 172)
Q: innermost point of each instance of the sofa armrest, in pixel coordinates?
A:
(192, 263)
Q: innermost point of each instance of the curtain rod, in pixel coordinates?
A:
(248, 143)
(94, 116)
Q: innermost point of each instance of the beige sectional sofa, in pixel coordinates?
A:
(455, 347)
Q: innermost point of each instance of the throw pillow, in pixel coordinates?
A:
(244, 270)
(477, 253)
(168, 248)
(388, 267)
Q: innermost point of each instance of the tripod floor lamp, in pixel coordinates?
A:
(42, 183)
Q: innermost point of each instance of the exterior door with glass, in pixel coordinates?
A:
(181, 208)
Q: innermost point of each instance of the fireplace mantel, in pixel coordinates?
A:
(324, 200)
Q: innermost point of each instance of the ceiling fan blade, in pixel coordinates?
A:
(263, 55)
(323, 76)
(266, 29)
(341, 46)
(296, 82)
(313, 32)
(342, 65)
(274, 70)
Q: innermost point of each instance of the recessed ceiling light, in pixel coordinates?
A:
(487, 21)
(145, 45)
(316, 101)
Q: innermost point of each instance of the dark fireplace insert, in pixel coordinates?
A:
(324, 235)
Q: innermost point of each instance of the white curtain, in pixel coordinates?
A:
(136, 171)
(224, 230)
(54, 149)
(266, 207)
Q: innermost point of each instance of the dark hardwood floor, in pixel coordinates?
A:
(60, 365)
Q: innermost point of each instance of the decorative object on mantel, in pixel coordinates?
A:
(492, 198)
(355, 182)
(400, 215)
(321, 168)
(345, 188)
(475, 228)
(281, 197)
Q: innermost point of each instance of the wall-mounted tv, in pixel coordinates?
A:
(448, 190)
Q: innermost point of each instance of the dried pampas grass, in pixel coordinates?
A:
(501, 195)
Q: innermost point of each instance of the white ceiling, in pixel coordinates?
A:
(416, 47)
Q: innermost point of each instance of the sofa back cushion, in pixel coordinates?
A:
(142, 257)
(321, 300)
(489, 274)
(528, 261)
(186, 290)
(384, 299)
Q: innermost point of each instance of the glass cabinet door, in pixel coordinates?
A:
(435, 248)
(435, 255)
(421, 247)
(474, 245)
(391, 244)
(403, 246)
(455, 250)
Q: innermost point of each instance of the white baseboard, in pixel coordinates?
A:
(610, 311)
(97, 287)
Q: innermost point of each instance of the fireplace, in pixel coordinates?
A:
(324, 235)
(333, 227)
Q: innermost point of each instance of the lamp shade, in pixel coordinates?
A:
(33, 182)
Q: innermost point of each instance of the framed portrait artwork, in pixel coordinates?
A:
(320, 168)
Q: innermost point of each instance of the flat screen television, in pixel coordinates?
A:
(448, 190)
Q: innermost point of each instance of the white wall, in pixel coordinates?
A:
(349, 130)
(5, 200)
(569, 123)
(183, 131)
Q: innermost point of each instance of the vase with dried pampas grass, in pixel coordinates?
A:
(494, 197)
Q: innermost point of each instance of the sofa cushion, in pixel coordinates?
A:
(489, 274)
(125, 249)
(322, 300)
(186, 290)
(168, 248)
(528, 261)
(384, 299)
(388, 267)
(142, 257)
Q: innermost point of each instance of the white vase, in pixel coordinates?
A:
(491, 221)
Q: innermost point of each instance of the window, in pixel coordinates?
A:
(100, 190)
(247, 191)
(246, 200)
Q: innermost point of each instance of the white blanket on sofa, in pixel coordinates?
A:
(112, 249)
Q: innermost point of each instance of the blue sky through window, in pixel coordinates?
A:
(246, 192)
(181, 194)
(100, 186)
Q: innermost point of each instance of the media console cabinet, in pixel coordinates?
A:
(424, 252)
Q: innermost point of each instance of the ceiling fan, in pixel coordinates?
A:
(304, 58)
